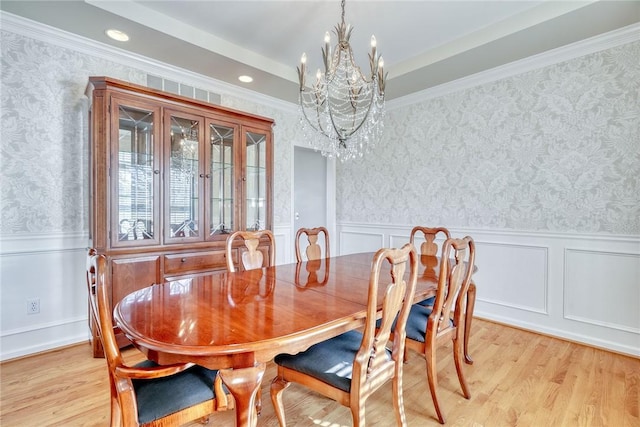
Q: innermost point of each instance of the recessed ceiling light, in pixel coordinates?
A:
(245, 79)
(117, 35)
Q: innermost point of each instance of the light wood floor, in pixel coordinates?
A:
(518, 379)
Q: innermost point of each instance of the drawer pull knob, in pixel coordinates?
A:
(183, 260)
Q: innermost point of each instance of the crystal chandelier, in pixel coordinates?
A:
(343, 111)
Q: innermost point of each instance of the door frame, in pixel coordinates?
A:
(330, 202)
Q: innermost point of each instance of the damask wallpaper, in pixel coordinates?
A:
(44, 151)
(555, 149)
(44, 127)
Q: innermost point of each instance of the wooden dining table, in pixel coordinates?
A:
(237, 322)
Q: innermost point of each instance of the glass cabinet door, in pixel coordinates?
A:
(135, 176)
(221, 179)
(255, 181)
(183, 178)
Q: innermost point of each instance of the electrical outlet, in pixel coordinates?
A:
(33, 306)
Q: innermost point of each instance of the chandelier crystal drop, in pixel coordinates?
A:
(343, 110)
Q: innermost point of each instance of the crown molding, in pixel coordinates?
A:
(628, 34)
(64, 39)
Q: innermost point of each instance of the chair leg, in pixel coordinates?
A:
(278, 386)
(398, 400)
(222, 399)
(116, 411)
(432, 378)
(471, 302)
(457, 357)
(358, 413)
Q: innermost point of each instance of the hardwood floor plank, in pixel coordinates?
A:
(518, 378)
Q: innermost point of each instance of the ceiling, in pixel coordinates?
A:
(424, 43)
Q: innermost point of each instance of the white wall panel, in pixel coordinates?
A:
(399, 240)
(55, 276)
(512, 275)
(354, 242)
(603, 288)
(285, 251)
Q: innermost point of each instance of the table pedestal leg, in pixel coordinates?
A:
(244, 383)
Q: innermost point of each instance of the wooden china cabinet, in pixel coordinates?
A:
(171, 177)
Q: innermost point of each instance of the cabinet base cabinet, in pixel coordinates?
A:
(130, 274)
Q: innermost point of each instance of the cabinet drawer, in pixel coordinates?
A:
(181, 263)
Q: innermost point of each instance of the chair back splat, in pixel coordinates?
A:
(429, 247)
(250, 256)
(429, 250)
(352, 366)
(313, 250)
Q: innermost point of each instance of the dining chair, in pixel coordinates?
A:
(350, 367)
(429, 326)
(428, 258)
(313, 250)
(250, 256)
(148, 394)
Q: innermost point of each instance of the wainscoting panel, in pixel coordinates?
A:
(55, 277)
(584, 288)
(399, 240)
(354, 242)
(594, 280)
(285, 250)
(513, 275)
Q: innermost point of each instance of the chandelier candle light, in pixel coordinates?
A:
(343, 111)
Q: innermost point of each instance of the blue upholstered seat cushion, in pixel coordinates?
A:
(428, 302)
(330, 361)
(160, 397)
(417, 322)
